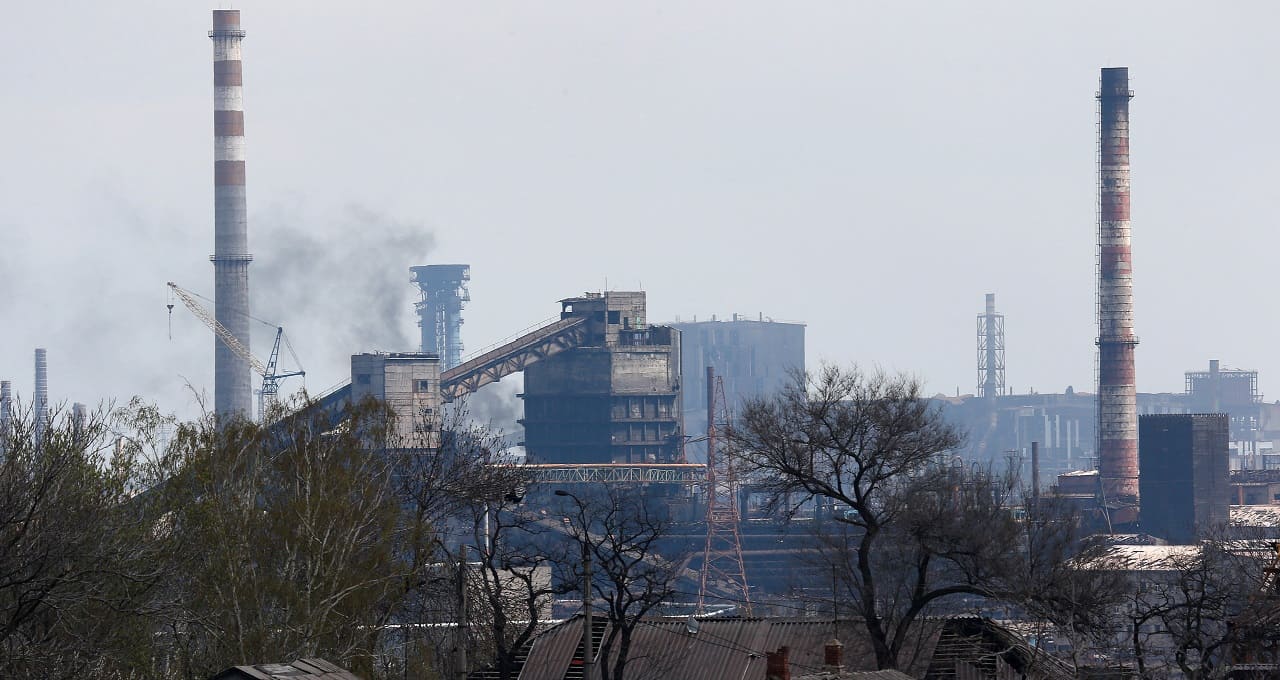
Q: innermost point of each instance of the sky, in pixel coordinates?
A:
(870, 169)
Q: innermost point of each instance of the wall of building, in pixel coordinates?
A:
(616, 399)
(756, 358)
(1184, 483)
(409, 382)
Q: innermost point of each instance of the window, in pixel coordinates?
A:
(422, 386)
(615, 316)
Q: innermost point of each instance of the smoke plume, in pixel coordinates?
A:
(339, 285)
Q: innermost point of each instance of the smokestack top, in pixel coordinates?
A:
(226, 24)
(991, 303)
(1115, 83)
(226, 18)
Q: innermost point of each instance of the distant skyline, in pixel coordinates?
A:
(868, 169)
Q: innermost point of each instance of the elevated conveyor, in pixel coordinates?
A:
(513, 357)
(489, 367)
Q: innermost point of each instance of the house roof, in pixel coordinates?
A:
(855, 675)
(725, 647)
(680, 649)
(302, 669)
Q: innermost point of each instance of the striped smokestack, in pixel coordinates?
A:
(1117, 390)
(231, 387)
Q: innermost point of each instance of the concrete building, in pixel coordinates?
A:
(1185, 488)
(755, 357)
(409, 382)
(614, 397)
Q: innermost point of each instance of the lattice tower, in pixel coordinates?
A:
(722, 561)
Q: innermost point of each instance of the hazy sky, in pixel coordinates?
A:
(868, 168)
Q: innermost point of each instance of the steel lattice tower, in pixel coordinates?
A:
(990, 350)
(444, 294)
(722, 557)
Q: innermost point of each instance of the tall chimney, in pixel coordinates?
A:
(41, 405)
(6, 415)
(1117, 390)
(231, 379)
(80, 422)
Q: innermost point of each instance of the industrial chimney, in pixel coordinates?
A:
(232, 391)
(41, 406)
(1117, 390)
(6, 416)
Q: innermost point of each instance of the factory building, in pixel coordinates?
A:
(409, 383)
(1184, 484)
(754, 357)
(613, 397)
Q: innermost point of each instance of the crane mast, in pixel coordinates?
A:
(270, 378)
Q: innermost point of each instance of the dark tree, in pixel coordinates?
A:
(622, 534)
(909, 533)
(80, 567)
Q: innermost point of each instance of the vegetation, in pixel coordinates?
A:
(134, 546)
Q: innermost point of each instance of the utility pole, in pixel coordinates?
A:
(588, 654)
(460, 650)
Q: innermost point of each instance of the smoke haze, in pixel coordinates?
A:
(338, 284)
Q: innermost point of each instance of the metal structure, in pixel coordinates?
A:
(231, 382)
(40, 407)
(722, 555)
(990, 350)
(616, 473)
(1117, 390)
(613, 398)
(1234, 392)
(444, 294)
(271, 376)
(513, 357)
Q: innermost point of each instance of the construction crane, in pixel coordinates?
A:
(271, 376)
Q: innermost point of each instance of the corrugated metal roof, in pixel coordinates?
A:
(307, 669)
(730, 648)
(1256, 515)
(856, 675)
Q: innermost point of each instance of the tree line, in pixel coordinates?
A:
(133, 545)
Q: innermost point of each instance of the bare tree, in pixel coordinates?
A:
(1060, 587)
(1192, 608)
(909, 533)
(623, 535)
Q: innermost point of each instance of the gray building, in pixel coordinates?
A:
(612, 398)
(1184, 485)
(755, 358)
(409, 382)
